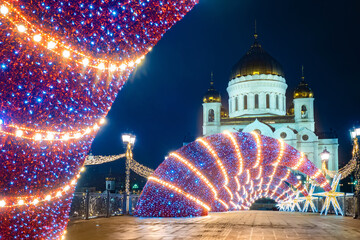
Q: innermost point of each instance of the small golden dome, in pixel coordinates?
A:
(303, 90)
(212, 95)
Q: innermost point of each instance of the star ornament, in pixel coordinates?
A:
(309, 200)
(296, 202)
(331, 197)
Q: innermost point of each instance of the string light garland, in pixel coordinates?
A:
(197, 169)
(62, 66)
(48, 42)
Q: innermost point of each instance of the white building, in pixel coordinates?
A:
(257, 102)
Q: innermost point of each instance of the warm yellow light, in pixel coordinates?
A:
(73, 182)
(77, 135)
(82, 169)
(131, 64)
(85, 61)
(123, 67)
(37, 38)
(101, 66)
(51, 45)
(21, 202)
(58, 194)
(66, 53)
(67, 188)
(19, 133)
(37, 137)
(112, 68)
(36, 201)
(138, 61)
(50, 136)
(102, 121)
(21, 28)
(87, 131)
(2, 203)
(4, 10)
(65, 137)
(48, 198)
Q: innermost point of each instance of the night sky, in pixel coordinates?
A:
(162, 101)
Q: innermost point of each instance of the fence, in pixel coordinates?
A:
(347, 204)
(91, 205)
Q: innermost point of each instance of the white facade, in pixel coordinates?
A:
(258, 103)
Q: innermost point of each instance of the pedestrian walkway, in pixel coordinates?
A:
(217, 226)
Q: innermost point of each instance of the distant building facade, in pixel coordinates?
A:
(257, 102)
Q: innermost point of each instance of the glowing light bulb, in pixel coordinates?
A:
(19, 133)
(87, 131)
(67, 188)
(58, 194)
(2, 203)
(138, 61)
(102, 121)
(77, 135)
(150, 48)
(65, 137)
(112, 68)
(21, 28)
(36, 201)
(51, 45)
(4, 10)
(37, 137)
(48, 198)
(21, 202)
(101, 66)
(66, 53)
(73, 182)
(123, 67)
(131, 64)
(82, 169)
(50, 136)
(37, 38)
(85, 61)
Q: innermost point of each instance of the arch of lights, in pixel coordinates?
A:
(225, 172)
(62, 65)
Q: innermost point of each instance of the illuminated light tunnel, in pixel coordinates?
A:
(225, 172)
(63, 64)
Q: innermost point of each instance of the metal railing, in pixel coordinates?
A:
(346, 202)
(92, 205)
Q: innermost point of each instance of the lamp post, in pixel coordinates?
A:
(129, 141)
(324, 156)
(355, 134)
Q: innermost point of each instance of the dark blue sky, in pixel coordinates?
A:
(162, 101)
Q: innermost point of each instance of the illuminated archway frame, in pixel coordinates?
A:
(225, 172)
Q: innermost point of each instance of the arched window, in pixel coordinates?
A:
(256, 101)
(267, 101)
(277, 101)
(236, 104)
(245, 102)
(304, 113)
(211, 116)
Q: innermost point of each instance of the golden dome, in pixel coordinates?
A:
(257, 61)
(303, 90)
(212, 95)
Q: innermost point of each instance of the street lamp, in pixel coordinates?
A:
(325, 155)
(129, 141)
